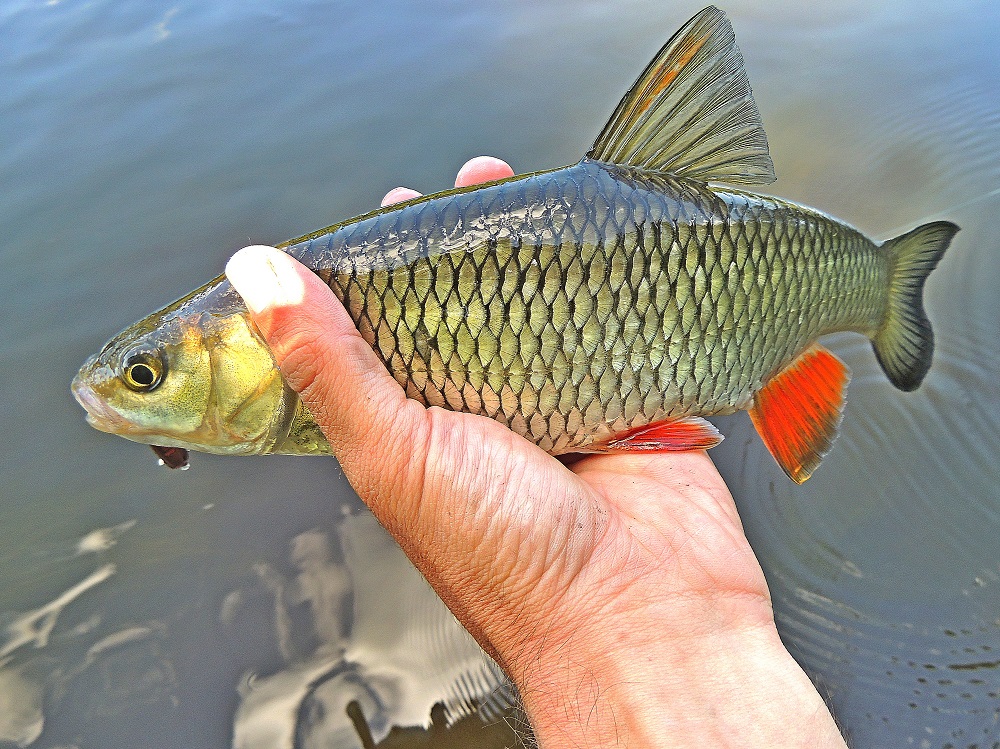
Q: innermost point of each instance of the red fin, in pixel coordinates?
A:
(798, 412)
(674, 435)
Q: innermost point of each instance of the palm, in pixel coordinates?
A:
(527, 533)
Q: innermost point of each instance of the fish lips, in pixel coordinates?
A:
(99, 414)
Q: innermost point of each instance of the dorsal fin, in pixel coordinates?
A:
(691, 113)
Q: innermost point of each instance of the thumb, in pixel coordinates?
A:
(376, 432)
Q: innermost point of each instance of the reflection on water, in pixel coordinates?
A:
(141, 143)
(335, 623)
(21, 689)
(35, 627)
(352, 648)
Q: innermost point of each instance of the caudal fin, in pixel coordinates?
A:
(904, 344)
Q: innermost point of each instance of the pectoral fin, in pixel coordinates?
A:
(675, 435)
(172, 457)
(798, 412)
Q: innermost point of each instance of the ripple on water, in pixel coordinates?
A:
(884, 566)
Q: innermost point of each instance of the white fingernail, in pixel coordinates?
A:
(265, 277)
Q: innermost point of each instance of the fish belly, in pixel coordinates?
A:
(576, 304)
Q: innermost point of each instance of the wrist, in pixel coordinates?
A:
(729, 688)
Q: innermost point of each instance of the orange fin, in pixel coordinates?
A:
(673, 435)
(798, 412)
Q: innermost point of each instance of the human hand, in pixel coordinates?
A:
(619, 593)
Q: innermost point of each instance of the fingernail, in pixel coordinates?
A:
(265, 277)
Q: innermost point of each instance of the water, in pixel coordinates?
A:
(248, 601)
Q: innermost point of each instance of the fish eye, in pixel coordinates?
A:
(142, 370)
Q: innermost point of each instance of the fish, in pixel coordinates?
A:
(608, 306)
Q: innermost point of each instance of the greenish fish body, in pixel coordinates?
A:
(576, 304)
(605, 306)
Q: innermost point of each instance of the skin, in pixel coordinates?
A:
(619, 592)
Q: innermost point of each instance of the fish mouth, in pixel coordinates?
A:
(99, 414)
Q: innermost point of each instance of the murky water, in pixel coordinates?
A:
(249, 601)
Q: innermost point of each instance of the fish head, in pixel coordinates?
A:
(196, 375)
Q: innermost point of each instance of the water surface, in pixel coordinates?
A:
(141, 143)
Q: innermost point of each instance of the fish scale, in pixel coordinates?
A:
(605, 306)
(592, 299)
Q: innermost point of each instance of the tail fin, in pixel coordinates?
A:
(905, 342)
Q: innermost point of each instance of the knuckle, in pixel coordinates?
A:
(303, 357)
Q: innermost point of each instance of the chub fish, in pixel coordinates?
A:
(606, 306)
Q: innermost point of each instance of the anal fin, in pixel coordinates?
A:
(798, 412)
(672, 435)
